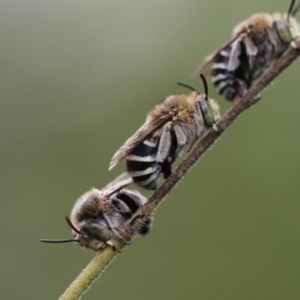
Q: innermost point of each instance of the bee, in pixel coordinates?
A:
(98, 214)
(177, 121)
(254, 45)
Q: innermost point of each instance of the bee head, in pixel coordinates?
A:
(209, 108)
(85, 236)
(283, 31)
(97, 231)
(286, 27)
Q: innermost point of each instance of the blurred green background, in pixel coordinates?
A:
(77, 78)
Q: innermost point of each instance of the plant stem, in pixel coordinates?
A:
(104, 257)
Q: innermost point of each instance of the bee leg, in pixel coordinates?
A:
(136, 202)
(165, 142)
(102, 246)
(145, 228)
(115, 232)
(166, 168)
(181, 140)
(294, 45)
(191, 146)
(257, 97)
(121, 206)
(112, 245)
(234, 58)
(133, 199)
(163, 150)
(131, 224)
(242, 89)
(251, 49)
(135, 219)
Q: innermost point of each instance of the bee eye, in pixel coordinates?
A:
(283, 31)
(97, 231)
(207, 113)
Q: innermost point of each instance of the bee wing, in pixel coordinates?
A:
(147, 129)
(116, 185)
(210, 58)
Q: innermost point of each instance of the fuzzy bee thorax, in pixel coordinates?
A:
(172, 105)
(256, 23)
(90, 204)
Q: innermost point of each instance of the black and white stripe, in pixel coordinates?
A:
(229, 81)
(223, 79)
(128, 202)
(142, 165)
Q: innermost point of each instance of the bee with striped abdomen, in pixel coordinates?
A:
(98, 214)
(254, 45)
(177, 121)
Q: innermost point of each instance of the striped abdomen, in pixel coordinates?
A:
(243, 68)
(223, 79)
(128, 202)
(142, 165)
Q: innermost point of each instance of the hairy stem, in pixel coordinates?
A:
(104, 257)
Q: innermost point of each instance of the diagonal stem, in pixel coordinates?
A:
(103, 258)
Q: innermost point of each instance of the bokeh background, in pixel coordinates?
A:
(77, 78)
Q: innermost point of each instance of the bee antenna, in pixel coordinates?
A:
(188, 86)
(290, 9)
(72, 226)
(296, 8)
(205, 85)
(58, 241)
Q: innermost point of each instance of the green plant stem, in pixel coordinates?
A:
(104, 257)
